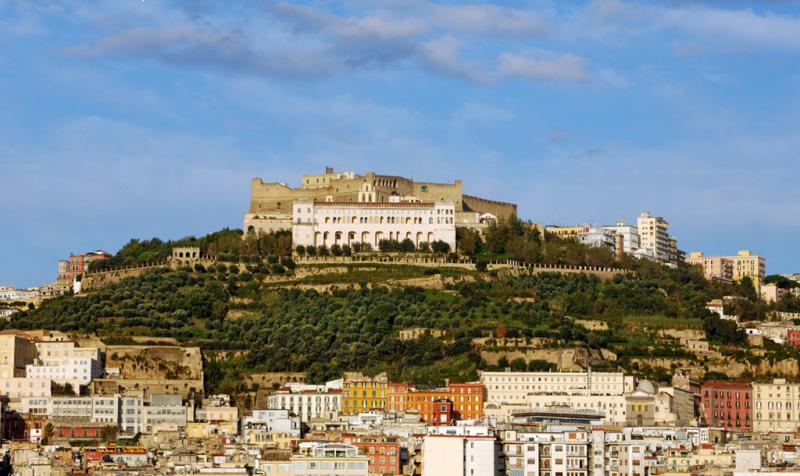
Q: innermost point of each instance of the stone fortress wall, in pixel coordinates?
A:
(271, 203)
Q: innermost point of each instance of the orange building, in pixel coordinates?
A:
(383, 453)
(467, 399)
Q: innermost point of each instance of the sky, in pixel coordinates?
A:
(126, 119)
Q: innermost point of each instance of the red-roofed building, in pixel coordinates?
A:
(727, 405)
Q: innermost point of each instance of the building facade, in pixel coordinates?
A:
(362, 393)
(630, 236)
(515, 387)
(308, 404)
(654, 236)
(77, 265)
(271, 203)
(744, 264)
(727, 405)
(466, 398)
(461, 451)
(776, 406)
(345, 223)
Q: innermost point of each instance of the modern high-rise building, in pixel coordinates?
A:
(654, 236)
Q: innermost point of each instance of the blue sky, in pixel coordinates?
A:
(131, 118)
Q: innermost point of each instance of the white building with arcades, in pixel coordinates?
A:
(346, 223)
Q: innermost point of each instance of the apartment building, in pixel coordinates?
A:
(361, 393)
(714, 267)
(16, 352)
(598, 237)
(323, 459)
(612, 407)
(515, 387)
(654, 236)
(550, 453)
(744, 264)
(466, 399)
(64, 362)
(320, 402)
(383, 453)
(461, 451)
(346, 223)
(630, 236)
(263, 422)
(776, 406)
(15, 388)
(727, 405)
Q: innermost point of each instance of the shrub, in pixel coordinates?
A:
(440, 246)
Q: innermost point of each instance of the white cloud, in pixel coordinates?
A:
(488, 19)
(542, 65)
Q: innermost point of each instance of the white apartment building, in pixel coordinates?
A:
(611, 406)
(10, 294)
(654, 236)
(308, 404)
(599, 237)
(130, 413)
(461, 451)
(271, 421)
(552, 452)
(217, 408)
(630, 236)
(167, 412)
(776, 406)
(514, 387)
(323, 460)
(345, 223)
(64, 362)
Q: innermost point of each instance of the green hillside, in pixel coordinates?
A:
(354, 326)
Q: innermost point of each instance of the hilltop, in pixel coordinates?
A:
(257, 309)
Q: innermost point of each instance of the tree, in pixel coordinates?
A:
(468, 241)
(311, 250)
(518, 365)
(47, 433)
(503, 362)
(385, 246)
(424, 247)
(323, 250)
(347, 250)
(440, 246)
(336, 250)
(300, 250)
(407, 246)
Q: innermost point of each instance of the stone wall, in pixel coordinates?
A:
(501, 210)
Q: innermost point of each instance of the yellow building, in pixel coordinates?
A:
(361, 393)
(201, 430)
(745, 263)
(776, 406)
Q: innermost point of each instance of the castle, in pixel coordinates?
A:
(271, 203)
